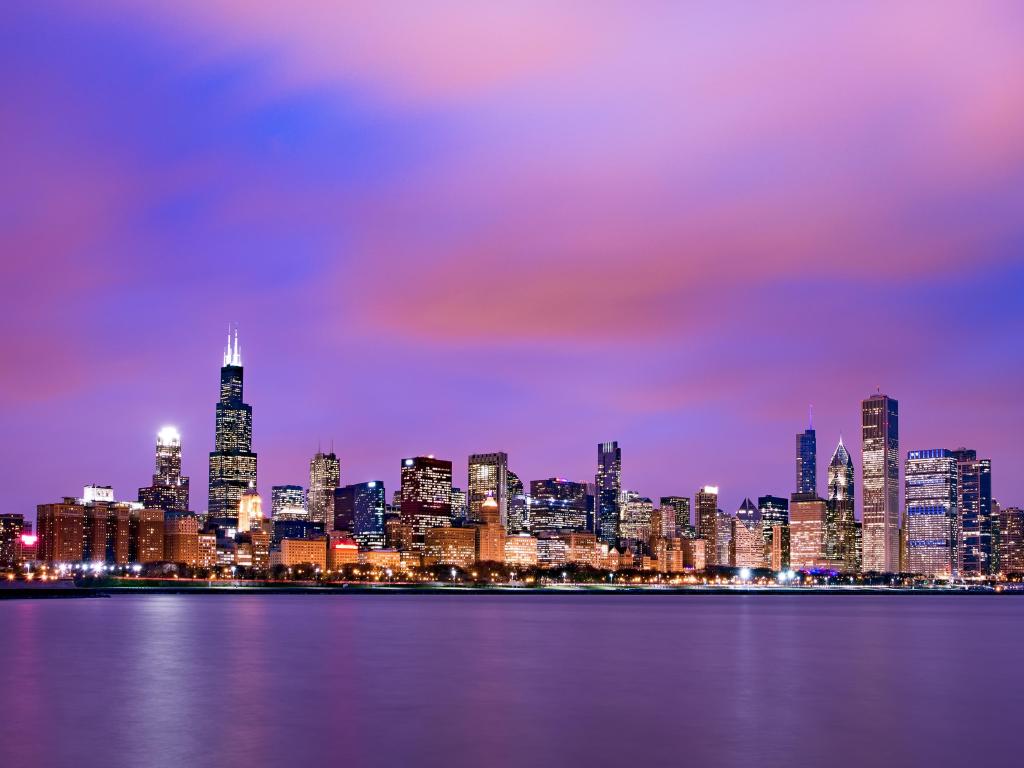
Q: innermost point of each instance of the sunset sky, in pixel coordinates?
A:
(457, 227)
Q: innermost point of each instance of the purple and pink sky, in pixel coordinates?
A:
(452, 227)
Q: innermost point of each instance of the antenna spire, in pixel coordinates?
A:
(810, 416)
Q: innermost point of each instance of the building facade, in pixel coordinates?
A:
(488, 477)
(880, 483)
(426, 496)
(932, 515)
(607, 490)
(978, 525)
(232, 462)
(169, 489)
(324, 479)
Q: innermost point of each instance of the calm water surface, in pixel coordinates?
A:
(432, 680)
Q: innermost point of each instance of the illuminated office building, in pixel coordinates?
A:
(746, 547)
(288, 502)
(807, 461)
(680, 506)
(807, 528)
(488, 477)
(359, 510)
(60, 528)
(250, 511)
(181, 538)
(149, 540)
(706, 504)
(460, 505)
(521, 551)
(426, 495)
(880, 483)
(932, 517)
(1011, 540)
(232, 463)
(635, 523)
(774, 511)
(723, 538)
(978, 525)
(518, 519)
(324, 479)
(169, 489)
(450, 546)
(607, 490)
(841, 533)
(558, 505)
(12, 526)
(490, 533)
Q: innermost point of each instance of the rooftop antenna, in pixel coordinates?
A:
(810, 416)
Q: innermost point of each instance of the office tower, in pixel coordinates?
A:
(521, 551)
(450, 546)
(723, 538)
(748, 513)
(250, 511)
(807, 461)
(680, 506)
(635, 524)
(169, 490)
(460, 505)
(426, 495)
(488, 477)
(324, 478)
(807, 531)
(60, 528)
(518, 520)
(746, 549)
(359, 510)
(12, 526)
(778, 550)
(288, 502)
(607, 490)
(706, 503)
(932, 518)
(774, 511)
(880, 483)
(557, 505)
(978, 525)
(1011, 540)
(232, 463)
(841, 534)
(490, 533)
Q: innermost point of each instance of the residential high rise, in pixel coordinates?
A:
(1011, 540)
(880, 483)
(978, 524)
(932, 521)
(426, 495)
(359, 509)
(324, 478)
(169, 490)
(61, 528)
(807, 461)
(288, 502)
(680, 505)
(841, 525)
(706, 503)
(488, 477)
(608, 489)
(232, 463)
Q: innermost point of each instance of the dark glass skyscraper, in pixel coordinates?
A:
(932, 520)
(608, 488)
(232, 463)
(359, 509)
(978, 527)
(558, 505)
(807, 461)
(169, 490)
(880, 483)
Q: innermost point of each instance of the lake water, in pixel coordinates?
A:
(434, 680)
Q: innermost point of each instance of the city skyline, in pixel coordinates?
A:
(473, 244)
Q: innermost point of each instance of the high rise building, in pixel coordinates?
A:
(232, 462)
(181, 538)
(746, 548)
(12, 526)
(426, 495)
(680, 506)
(324, 478)
(169, 490)
(932, 521)
(841, 525)
(460, 505)
(557, 505)
(978, 524)
(359, 509)
(518, 505)
(250, 511)
(807, 461)
(1011, 540)
(880, 483)
(60, 528)
(488, 477)
(607, 490)
(774, 512)
(748, 513)
(635, 524)
(288, 502)
(807, 531)
(706, 503)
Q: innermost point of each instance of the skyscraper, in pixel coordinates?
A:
(775, 517)
(932, 521)
(518, 520)
(841, 525)
(359, 509)
(807, 518)
(250, 511)
(706, 503)
(426, 495)
(807, 461)
(169, 490)
(488, 476)
(324, 478)
(558, 505)
(1011, 540)
(978, 526)
(608, 488)
(880, 482)
(680, 506)
(288, 502)
(232, 463)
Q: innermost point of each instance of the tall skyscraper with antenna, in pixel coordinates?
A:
(232, 462)
(324, 479)
(807, 459)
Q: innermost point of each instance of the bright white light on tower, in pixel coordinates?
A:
(168, 436)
